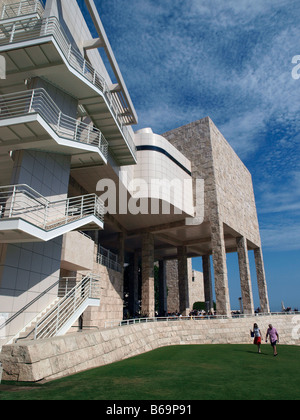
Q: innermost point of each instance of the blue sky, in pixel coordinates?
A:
(183, 60)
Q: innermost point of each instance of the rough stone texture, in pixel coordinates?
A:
(196, 288)
(172, 286)
(111, 298)
(54, 358)
(183, 281)
(261, 280)
(220, 269)
(245, 276)
(148, 297)
(207, 278)
(229, 200)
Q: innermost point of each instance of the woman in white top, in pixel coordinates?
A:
(256, 333)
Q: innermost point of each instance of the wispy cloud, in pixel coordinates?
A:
(230, 60)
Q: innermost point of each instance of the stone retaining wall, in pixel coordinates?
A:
(62, 356)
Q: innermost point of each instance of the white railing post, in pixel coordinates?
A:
(46, 215)
(20, 9)
(57, 319)
(67, 211)
(82, 204)
(59, 120)
(12, 202)
(31, 101)
(3, 11)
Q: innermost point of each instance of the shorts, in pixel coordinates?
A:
(274, 343)
(257, 340)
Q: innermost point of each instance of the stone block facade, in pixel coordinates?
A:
(54, 358)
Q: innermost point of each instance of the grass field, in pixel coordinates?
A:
(221, 372)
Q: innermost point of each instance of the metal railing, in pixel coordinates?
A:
(52, 323)
(116, 324)
(11, 319)
(22, 8)
(108, 259)
(27, 30)
(38, 101)
(22, 202)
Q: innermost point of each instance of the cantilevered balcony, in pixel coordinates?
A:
(32, 120)
(22, 8)
(27, 216)
(35, 47)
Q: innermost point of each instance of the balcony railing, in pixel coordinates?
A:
(38, 101)
(22, 202)
(22, 8)
(27, 30)
(108, 259)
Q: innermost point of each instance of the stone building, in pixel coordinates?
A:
(83, 196)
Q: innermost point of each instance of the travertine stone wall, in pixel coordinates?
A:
(246, 285)
(228, 200)
(229, 195)
(148, 297)
(54, 358)
(111, 299)
(195, 288)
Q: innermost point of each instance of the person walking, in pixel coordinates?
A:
(256, 333)
(274, 338)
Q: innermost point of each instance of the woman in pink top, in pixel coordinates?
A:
(274, 338)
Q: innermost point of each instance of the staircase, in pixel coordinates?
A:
(60, 317)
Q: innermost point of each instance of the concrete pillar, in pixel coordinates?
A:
(207, 277)
(163, 307)
(220, 270)
(261, 281)
(134, 285)
(148, 295)
(183, 281)
(121, 250)
(245, 276)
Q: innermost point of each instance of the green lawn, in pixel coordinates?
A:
(228, 372)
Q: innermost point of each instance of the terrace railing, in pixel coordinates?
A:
(60, 318)
(108, 259)
(22, 8)
(38, 101)
(27, 30)
(22, 202)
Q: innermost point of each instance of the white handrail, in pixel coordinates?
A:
(22, 8)
(116, 324)
(52, 323)
(39, 101)
(22, 202)
(25, 30)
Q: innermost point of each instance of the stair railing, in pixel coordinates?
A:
(52, 323)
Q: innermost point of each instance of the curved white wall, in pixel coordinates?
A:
(165, 171)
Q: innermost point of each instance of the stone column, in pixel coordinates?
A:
(163, 307)
(208, 290)
(261, 281)
(148, 295)
(220, 269)
(183, 281)
(245, 276)
(121, 251)
(134, 285)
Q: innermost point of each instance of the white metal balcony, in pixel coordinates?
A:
(27, 216)
(22, 8)
(40, 47)
(34, 111)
